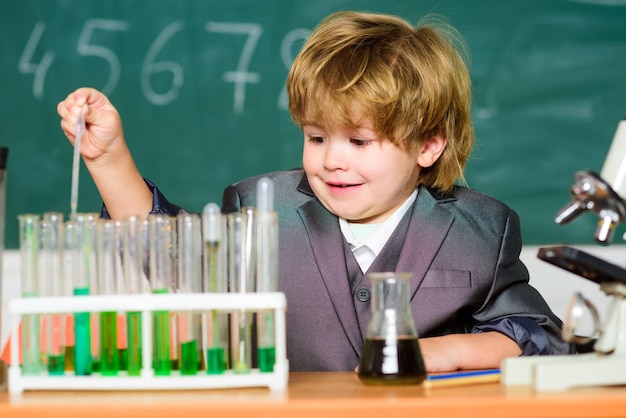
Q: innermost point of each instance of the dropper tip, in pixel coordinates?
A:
(210, 222)
(265, 195)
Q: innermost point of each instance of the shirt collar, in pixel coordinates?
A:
(377, 240)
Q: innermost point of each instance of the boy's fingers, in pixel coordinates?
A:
(68, 131)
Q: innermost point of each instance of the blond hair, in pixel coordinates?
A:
(412, 82)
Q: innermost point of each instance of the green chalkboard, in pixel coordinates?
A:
(199, 85)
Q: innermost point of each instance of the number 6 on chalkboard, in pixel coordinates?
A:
(150, 68)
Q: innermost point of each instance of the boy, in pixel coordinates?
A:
(385, 112)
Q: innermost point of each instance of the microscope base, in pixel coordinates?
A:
(558, 373)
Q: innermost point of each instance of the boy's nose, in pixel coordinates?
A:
(336, 157)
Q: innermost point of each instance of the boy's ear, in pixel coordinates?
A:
(432, 150)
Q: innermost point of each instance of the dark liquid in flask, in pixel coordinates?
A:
(394, 362)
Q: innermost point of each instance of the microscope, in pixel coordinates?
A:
(605, 195)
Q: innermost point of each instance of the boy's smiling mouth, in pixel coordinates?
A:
(342, 186)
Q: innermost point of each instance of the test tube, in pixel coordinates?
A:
(70, 272)
(133, 263)
(214, 281)
(52, 286)
(29, 249)
(240, 260)
(94, 318)
(120, 288)
(85, 329)
(107, 253)
(189, 281)
(160, 235)
(267, 270)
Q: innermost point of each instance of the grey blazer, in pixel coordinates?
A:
(463, 250)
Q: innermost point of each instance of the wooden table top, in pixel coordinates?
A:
(323, 394)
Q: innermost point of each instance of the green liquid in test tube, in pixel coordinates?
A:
(161, 339)
(267, 270)
(109, 356)
(133, 328)
(122, 353)
(189, 357)
(29, 253)
(160, 235)
(136, 284)
(82, 338)
(267, 358)
(215, 360)
(56, 364)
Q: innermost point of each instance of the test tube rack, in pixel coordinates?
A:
(275, 380)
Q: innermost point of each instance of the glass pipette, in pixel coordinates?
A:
(79, 130)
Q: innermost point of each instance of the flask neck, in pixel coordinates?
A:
(391, 315)
(390, 293)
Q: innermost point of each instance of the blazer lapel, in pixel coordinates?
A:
(427, 229)
(327, 243)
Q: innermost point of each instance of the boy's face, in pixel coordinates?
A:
(356, 175)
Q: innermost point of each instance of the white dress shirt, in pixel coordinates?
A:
(367, 240)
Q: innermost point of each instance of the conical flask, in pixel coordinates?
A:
(391, 353)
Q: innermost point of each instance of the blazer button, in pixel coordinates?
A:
(363, 294)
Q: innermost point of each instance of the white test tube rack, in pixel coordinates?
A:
(275, 380)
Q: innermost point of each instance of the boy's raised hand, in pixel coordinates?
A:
(103, 138)
(104, 151)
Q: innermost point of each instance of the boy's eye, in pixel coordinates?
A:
(360, 142)
(316, 139)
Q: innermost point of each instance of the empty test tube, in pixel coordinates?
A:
(29, 250)
(52, 281)
(240, 259)
(215, 328)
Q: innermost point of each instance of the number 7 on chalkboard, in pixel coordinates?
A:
(241, 76)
